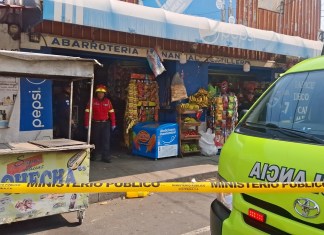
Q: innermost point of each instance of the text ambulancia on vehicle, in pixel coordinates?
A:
(280, 139)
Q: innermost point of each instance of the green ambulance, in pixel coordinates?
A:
(279, 139)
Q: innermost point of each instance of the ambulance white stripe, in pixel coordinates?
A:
(57, 11)
(198, 231)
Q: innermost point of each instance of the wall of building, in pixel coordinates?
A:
(292, 17)
(195, 76)
(13, 102)
(6, 42)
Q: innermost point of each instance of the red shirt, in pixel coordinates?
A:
(102, 110)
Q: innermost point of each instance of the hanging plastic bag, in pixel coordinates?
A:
(178, 89)
(155, 62)
(207, 144)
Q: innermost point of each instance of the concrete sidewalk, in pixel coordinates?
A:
(129, 168)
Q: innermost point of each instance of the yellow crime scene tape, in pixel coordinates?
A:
(165, 187)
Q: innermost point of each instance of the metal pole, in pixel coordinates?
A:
(90, 110)
(71, 107)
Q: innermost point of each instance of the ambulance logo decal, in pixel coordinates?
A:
(306, 207)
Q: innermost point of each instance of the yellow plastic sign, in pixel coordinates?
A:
(194, 187)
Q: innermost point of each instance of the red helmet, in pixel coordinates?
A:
(101, 88)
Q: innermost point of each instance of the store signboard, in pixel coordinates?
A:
(125, 50)
(47, 167)
(95, 46)
(36, 104)
(220, 10)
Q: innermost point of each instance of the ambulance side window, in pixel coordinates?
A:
(296, 101)
(287, 102)
(315, 110)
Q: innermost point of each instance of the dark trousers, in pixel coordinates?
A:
(100, 137)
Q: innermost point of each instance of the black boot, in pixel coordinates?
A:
(106, 159)
(95, 158)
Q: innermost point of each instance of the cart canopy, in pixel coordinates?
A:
(38, 65)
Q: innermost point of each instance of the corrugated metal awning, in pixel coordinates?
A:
(156, 22)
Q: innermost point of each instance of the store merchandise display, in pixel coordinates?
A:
(200, 98)
(118, 79)
(189, 106)
(222, 115)
(131, 116)
(249, 93)
(188, 122)
(142, 102)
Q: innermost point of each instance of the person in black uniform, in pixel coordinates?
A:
(63, 113)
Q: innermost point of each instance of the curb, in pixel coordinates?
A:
(99, 197)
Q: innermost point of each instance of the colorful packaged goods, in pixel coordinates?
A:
(142, 102)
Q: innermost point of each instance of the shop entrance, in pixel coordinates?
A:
(116, 73)
(232, 90)
(247, 87)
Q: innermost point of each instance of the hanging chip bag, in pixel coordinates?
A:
(178, 89)
(155, 62)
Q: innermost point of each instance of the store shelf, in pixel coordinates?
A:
(198, 151)
(185, 126)
(188, 111)
(191, 137)
(188, 124)
(146, 105)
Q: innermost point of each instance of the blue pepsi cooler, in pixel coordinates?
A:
(155, 140)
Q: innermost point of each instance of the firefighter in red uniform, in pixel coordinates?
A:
(103, 121)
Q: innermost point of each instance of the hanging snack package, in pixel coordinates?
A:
(155, 62)
(178, 89)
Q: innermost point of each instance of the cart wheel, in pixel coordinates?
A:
(80, 216)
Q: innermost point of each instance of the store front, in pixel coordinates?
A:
(120, 62)
(247, 86)
(120, 74)
(124, 64)
(233, 89)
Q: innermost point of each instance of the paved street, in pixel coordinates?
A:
(163, 213)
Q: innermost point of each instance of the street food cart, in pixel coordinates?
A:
(45, 160)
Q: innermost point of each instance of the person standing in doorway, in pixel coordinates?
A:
(63, 113)
(103, 121)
